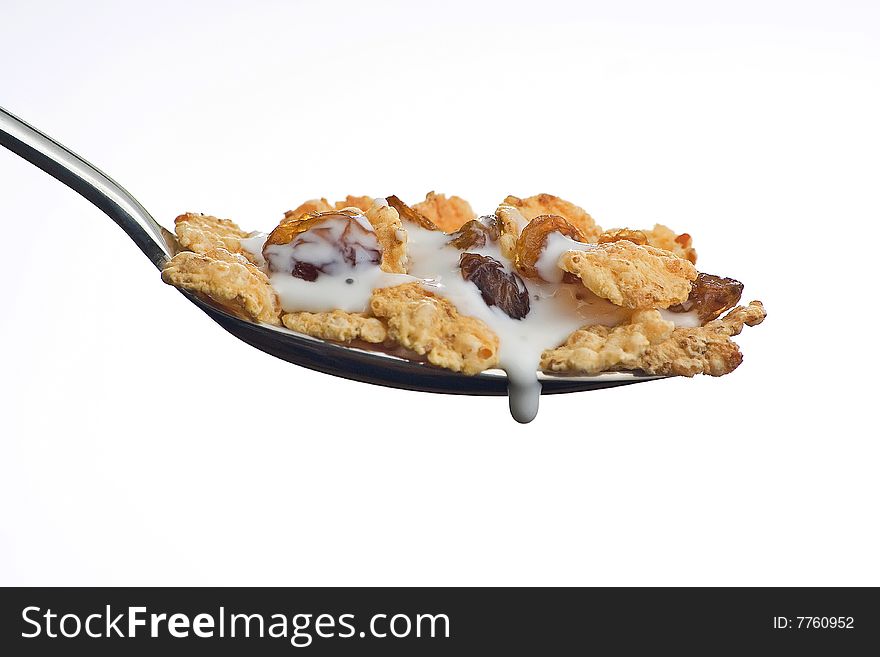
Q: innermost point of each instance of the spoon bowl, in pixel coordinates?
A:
(350, 362)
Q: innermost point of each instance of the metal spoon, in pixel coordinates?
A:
(159, 244)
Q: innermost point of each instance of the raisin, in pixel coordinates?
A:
(476, 232)
(710, 296)
(534, 237)
(408, 214)
(497, 286)
(305, 271)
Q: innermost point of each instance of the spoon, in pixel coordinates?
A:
(159, 245)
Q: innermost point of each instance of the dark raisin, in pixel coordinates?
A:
(305, 271)
(497, 286)
(475, 233)
(710, 296)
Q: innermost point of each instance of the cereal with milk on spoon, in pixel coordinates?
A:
(536, 285)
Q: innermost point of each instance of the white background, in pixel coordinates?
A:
(141, 444)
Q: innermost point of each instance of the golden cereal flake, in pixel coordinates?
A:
(312, 206)
(618, 234)
(630, 275)
(430, 325)
(228, 279)
(203, 232)
(511, 223)
(663, 237)
(734, 321)
(706, 349)
(448, 214)
(594, 349)
(337, 325)
(534, 206)
(385, 220)
(362, 203)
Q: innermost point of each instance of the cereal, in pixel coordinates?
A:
(448, 214)
(202, 232)
(511, 223)
(595, 349)
(337, 325)
(429, 325)
(534, 206)
(228, 279)
(703, 350)
(618, 234)
(362, 203)
(391, 235)
(632, 276)
(662, 237)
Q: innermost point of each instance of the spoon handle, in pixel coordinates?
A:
(63, 164)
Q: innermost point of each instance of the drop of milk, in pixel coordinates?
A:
(523, 395)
